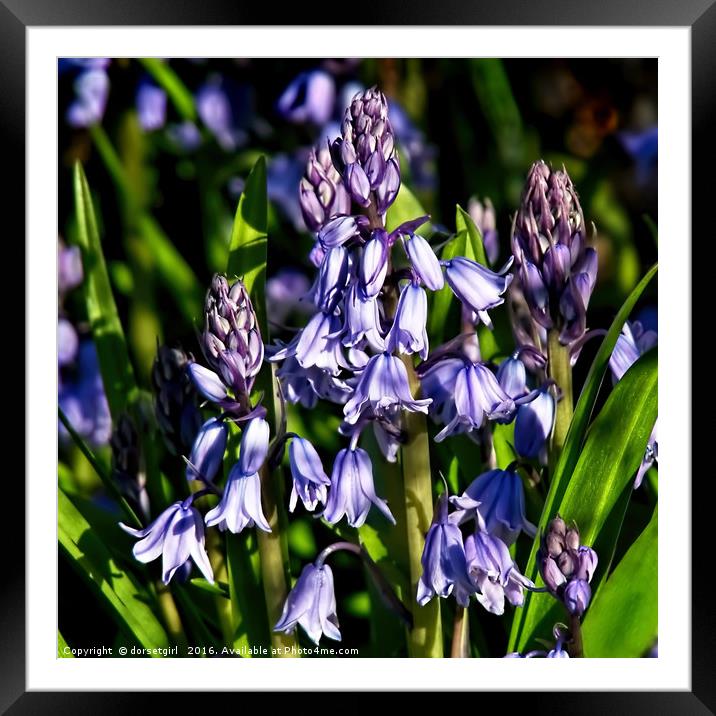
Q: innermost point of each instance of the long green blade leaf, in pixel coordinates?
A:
(117, 373)
(605, 470)
(623, 619)
(575, 436)
(405, 208)
(124, 599)
(474, 246)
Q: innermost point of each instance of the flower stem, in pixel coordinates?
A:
(576, 648)
(170, 615)
(224, 612)
(273, 564)
(460, 635)
(425, 638)
(560, 371)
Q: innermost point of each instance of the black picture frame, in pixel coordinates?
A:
(699, 15)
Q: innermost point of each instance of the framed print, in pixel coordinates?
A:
(367, 351)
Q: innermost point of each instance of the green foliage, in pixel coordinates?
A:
(605, 469)
(117, 373)
(623, 618)
(179, 94)
(127, 601)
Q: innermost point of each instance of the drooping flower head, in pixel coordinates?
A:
(177, 535)
(497, 499)
(443, 560)
(352, 492)
(309, 478)
(240, 504)
(309, 98)
(311, 604)
(494, 572)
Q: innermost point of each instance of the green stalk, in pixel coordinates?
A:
(273, 565)
(170, 615)
(223, 605)
(560, 371)
(460, 635)
(425, 639)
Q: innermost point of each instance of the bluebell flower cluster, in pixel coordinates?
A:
(566, 566)
(370, 298)
(478, 565)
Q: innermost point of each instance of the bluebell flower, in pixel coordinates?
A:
(240, 505)
(91, 92)
(424, 262)
(309, 477)
(332, 278)
(512, 376)
(497, 499)
(577, 595)
(215, 110)
(533, 425)
(374, 264)
(443, 561)
(177, 535)
(352, 491)
(312, 605)
(207, 452)
(340, 229)
(476, 286)
(151, 106)
(478, 397)
(383, 388)
(318, 345)
(494, 573)
(633, 341)
(408, 333)
(362, 320)
(309, 98)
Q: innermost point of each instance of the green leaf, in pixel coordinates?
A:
(406, 207)
(596, 494)
(575, 436)
(623, 618)
(180, 96)
(123, 597)
(218, 588)
(247, 250)
(63, 650)
(474, 246)
(117, 374)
